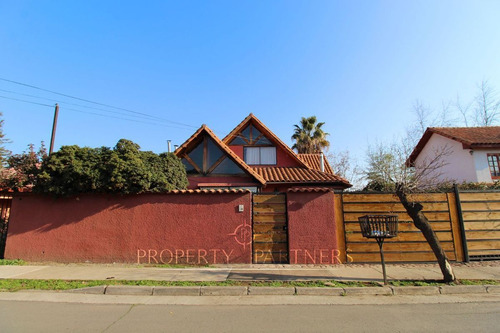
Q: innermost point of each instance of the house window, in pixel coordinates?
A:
(493, 163)
(260, 155)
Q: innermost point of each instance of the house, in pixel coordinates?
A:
(251, 199)
(252, 157)
(471, 153)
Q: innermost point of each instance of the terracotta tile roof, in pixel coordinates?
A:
(470, 137)
(179, 152)
(264, 130)
(209, 191)
(298, 175)
(310, 189)
(314, 162)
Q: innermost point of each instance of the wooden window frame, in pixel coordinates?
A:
(493, 171)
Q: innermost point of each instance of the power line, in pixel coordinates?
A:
(134, 120)
(73, 104)
(20, 100)
(94, 113)
(93, 102)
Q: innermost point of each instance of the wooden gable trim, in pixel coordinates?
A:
(251, 119)
(196, 139)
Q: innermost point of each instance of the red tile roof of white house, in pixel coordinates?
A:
(469, 137)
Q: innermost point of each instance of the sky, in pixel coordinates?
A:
(157, 70)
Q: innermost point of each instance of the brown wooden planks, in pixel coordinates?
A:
(269, 198)
(479, 196)
(266, 228)
(432, 216)
(481, 216)
(391, 207)
(482, 225)
(262, 218)
(436, 226)
(396, 247)
(339, 221)
(480, 206)
(270, 239)
(483, 244)
(395, 257)
(402, 237)
(274, 247)
(484, 252)
(375, 197)
(484, 235)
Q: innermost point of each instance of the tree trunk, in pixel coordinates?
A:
(414, 209)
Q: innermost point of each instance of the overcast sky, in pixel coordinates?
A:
(167, 67)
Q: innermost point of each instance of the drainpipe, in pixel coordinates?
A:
(322, 162)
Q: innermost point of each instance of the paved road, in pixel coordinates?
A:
(28, 316)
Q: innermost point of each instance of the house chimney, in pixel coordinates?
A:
(322, 162)
(169, 143)
(175, 147)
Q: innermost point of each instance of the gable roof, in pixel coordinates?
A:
(469, 137)
(193, 140)
(251, 119)
(308, 173)
(314, 162)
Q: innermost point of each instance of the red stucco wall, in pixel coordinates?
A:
(311, 228)
(147, 228)
(283, 159)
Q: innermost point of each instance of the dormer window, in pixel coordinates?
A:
(259, 155)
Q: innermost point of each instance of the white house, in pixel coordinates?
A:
(473, 153)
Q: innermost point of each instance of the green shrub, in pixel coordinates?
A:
(124, 169)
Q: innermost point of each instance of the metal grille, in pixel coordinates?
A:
(379, 226)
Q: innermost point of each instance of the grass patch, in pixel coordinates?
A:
(415, 283)
(14, 262)
(421, 283)
(22, 284)
(477, 282)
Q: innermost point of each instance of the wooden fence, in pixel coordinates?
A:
(474, 217)
(481, 219)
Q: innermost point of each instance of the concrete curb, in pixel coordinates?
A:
(298, 291)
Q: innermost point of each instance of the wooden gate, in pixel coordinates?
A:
(270, 234)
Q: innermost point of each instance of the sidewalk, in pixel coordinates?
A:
(482, 271)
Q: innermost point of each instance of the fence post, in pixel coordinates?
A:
(461, 222)
(339, 222)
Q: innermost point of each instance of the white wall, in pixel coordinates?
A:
(459, 165)
(481, 165)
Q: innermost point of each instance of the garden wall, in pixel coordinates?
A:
(193, 228)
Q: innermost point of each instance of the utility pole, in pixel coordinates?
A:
(54, 126)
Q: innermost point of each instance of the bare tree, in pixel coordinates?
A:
(388, 166)
(463, 109)
(345, 166)
(487, 105)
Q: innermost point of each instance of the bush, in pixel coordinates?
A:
(124, 169)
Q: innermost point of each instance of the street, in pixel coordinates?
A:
(395, 314)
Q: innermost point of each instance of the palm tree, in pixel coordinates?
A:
(309, 137)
